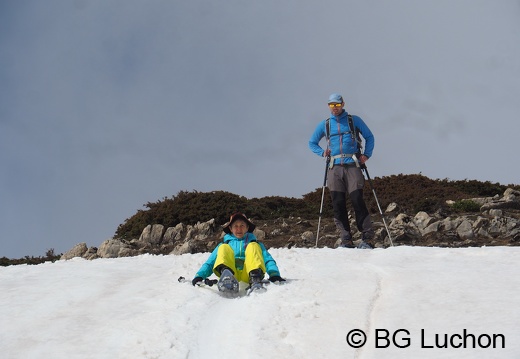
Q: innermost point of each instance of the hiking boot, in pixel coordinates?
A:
(346, 244)
(256, 275)
(227, 281)
(255, 279)
(365, 245)
(220, 268)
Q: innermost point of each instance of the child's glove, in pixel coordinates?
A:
(196, 280)
(276, 278)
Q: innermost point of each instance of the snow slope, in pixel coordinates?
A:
(136, 308)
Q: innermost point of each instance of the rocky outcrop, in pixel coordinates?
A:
(497, 223)
(77, 251)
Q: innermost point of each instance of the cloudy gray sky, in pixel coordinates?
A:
(108, 104)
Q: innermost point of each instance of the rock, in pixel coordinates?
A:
(511, 195)
(449, 224)
(113, 248)
(422, 220)
(510, 200)
(465, 230)
(77, 251)
(308, 236)
(184, 248)
(201, 230)
(404, 229)
(152, 234)
(434, 227)
(174, 234)
(496, 212)
(276, 232)
(500, 205)
(259, 234)
(392, 208)
(479, 227)
(91, 253)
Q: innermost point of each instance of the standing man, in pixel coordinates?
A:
(344, 176)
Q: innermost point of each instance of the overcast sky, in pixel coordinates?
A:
(108, 104)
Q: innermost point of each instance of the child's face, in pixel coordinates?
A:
(239, 228)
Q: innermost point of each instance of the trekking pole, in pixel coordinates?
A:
(364, 168)
(322, 197)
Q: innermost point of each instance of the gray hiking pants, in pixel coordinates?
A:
(343, 180)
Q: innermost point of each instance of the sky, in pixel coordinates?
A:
(406, 301)
(106, 105)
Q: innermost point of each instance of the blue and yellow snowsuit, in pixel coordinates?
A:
(241, 255)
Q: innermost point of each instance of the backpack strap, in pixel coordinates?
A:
(327, 131)
(327, 128)
(354, 132)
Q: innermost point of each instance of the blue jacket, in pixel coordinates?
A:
(340, 139)
(239, 247)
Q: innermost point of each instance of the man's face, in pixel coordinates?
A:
(336, 108)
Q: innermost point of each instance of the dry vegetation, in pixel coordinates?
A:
(412, 193)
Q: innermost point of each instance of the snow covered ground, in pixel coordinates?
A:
(411, 302)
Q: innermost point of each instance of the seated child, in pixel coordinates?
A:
(239, 257)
